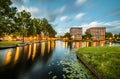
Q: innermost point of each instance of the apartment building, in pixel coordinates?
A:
(76, 33)
(98, 33)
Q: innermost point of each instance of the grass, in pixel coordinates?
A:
(106, 60)
(8, 43)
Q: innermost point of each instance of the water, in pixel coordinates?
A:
(45, 60)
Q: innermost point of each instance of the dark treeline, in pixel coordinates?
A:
(17, 23)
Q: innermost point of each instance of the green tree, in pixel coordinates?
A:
(47, 29)
(116, 36)
(6, 17)
(87, 36)
(23, 22)
(108, 35)
(67, 35)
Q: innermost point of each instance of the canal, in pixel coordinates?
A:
(44, 60)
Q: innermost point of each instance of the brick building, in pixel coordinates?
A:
(76, 33)
(98, 33)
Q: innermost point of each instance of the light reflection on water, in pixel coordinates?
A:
(17, 54)
(37, 60)
(8, 57)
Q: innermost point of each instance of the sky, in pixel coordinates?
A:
(64, 14)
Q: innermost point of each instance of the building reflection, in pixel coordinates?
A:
(17, 54)
(76, 44)
(85, 44)
(102, 43)
(98, 43)
(34, 51)
(8, 57)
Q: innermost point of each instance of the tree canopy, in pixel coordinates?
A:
(21, 24)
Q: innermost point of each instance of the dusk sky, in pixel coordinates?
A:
(64, 14)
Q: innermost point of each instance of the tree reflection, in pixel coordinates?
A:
(34, 51)
(29, 51)
(17, 54)
(8, 57)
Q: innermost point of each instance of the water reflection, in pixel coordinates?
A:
(42, 48)
(8, 57)
(34, 51)
(29, 51)
(65, 44)
(100, 43)
(110, 44)
(52, 45)
(17, 54)
(48, 46)
(87, 44)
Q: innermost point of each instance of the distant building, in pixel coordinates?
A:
(76, 33)
(98, 33)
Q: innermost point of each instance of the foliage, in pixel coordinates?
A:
(87, 36)
(7, 14)
(104, 59)
(20, 23)
(117, 36)
(108, 35)
(67, 35)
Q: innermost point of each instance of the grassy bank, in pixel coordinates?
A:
(106, 60)
(9, 43)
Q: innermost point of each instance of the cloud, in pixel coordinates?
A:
(19, 2)
(62, 9)
(64, 18)
(62, 31)
(79, 16)
(53, 15)
(25, 1)
(80, 2)
(33, 10)
(114, 13)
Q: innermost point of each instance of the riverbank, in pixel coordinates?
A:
(106, 60)
(9, 43)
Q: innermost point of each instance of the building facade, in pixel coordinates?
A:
(76, 33)
(98, 33)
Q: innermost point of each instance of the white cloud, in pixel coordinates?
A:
(33, 10)
(25, 1)
(62, 31)
(62, 9)
(79, 16)
(64, 18)
(80, 2)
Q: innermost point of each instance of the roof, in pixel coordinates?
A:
(97, 28)
(75, 28)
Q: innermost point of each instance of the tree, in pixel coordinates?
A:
(67, 35)
(24, 22)
(47, 28)
(87, 36)
(6, 17)
(51, 31)
(108, 35)
(116, 36)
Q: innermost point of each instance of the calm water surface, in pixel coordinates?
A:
(45, 60)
